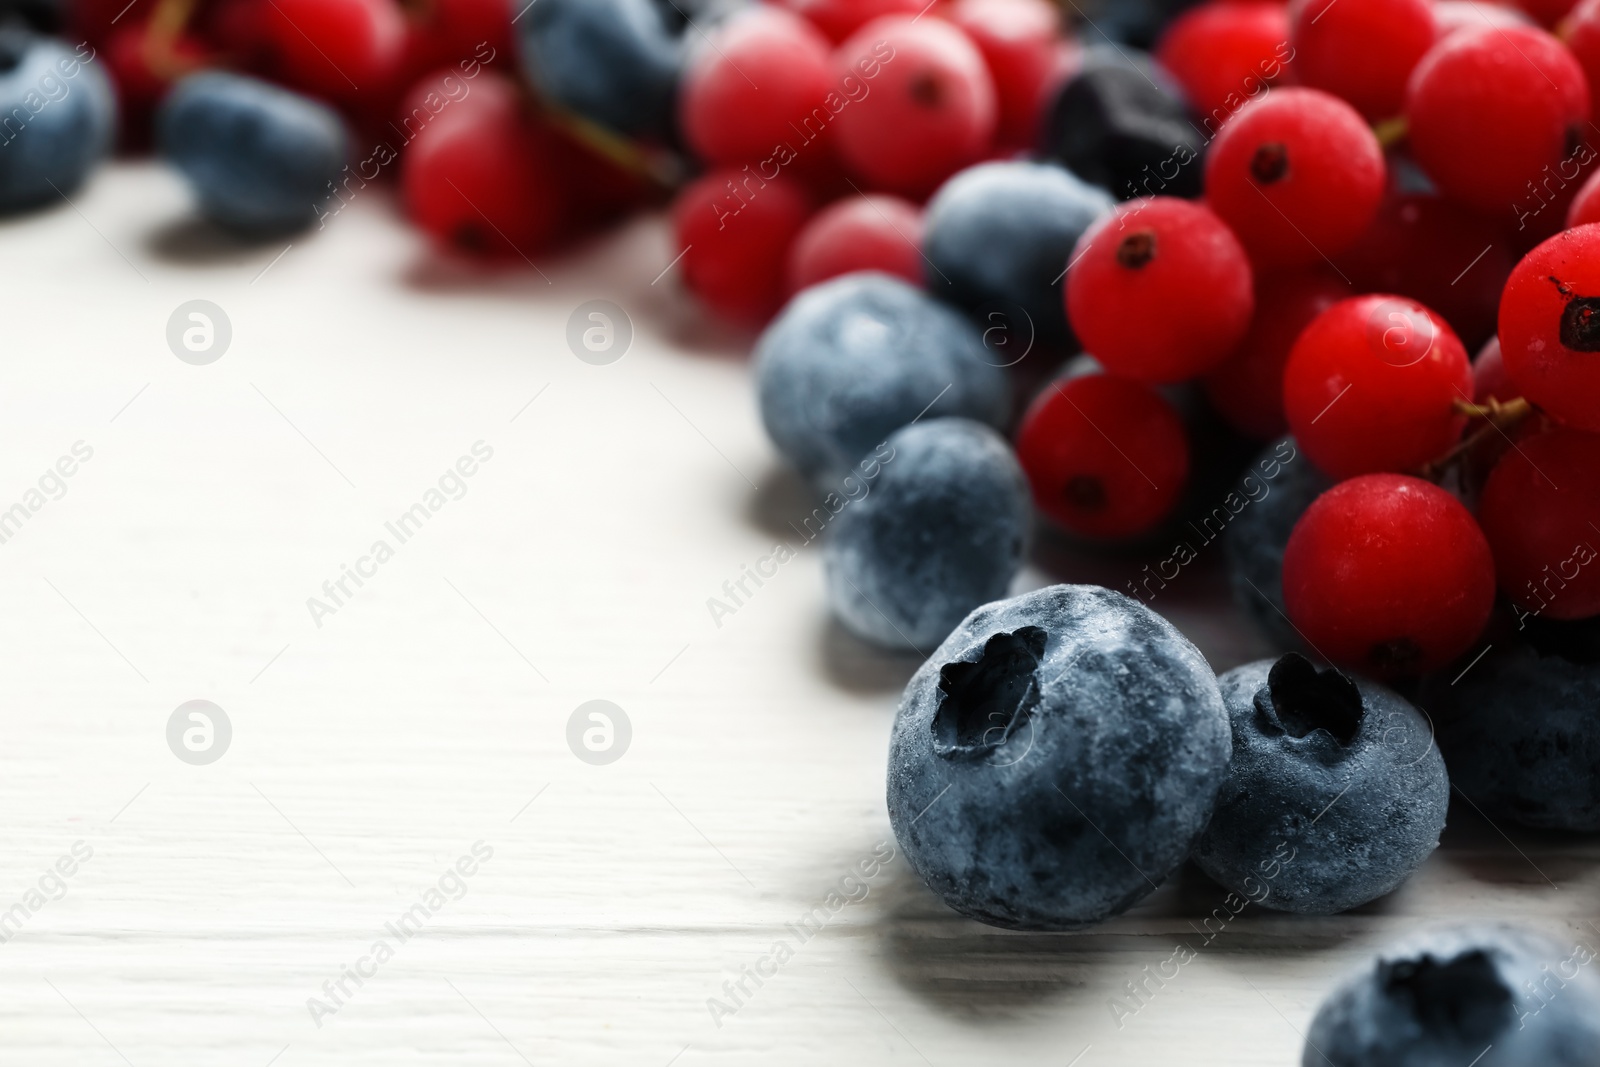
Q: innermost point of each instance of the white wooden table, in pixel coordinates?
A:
(429, 711)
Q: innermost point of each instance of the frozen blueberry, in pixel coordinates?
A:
(1282, 483)
(1336, 794)
(614, 62)
(261, 159)
(852, 360)
(998, 240)
(940, 531)
(1487, 995)
(57, 114)
(1122, 124)
(1520, 732)
(1056, 758)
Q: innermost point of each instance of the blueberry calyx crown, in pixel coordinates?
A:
(1303, 699)
(982, 704)
(1463, 996)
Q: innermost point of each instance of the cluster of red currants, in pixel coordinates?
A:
(887, 98)
(430, 88)
(1386, 183)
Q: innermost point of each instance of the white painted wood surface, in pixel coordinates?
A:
(430, 712)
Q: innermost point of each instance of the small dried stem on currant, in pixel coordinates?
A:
(1391, 132)
(159, 47)
(1499, 418)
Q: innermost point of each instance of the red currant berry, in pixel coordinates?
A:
(143, 66)
(1489, 378)
(840, 18)
(1490, 384)
(1297, 174)
(1160, 290)
(1550, 327)
(449, 31)
(922, 107)
(1540, 511)
(1361, 50)
(1247, 389)
(1581, 34)
(1388, 574)
(1440, 255)
(1492, 110)
(99, 19)
(874, 232)
(441, 98)
(1548, 12)
(1585, 207)
(600, 188)
(335, 49)
(1372, 384)
(1107, 458)
(1450, 16)
(726, 116)
(1223, 52)
(735, 231)
(1021, 41)
(482, 182)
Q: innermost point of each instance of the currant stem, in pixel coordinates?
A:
(1391, 132)
(167, 23)
(1512, 410)
(1498, 418)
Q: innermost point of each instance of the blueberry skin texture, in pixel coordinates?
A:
(1255, 541)
(614, 62)
(852, 360)
(1086, 715)
(53, 128)
(1121, 123)
(261, 160)
(1521, 735)
(1322, 811)
(1444, 997)
(1000, 235)
(940, 532)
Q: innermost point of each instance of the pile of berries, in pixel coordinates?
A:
(1290, 226)
(1216, 227)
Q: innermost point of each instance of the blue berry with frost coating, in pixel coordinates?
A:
(1055, 758)
(1520, 732)
(1486, 995)
(57, 116)
(940, 532)
(999, 237)
(852, 360)
(261, 160)
(1255, 541)
(1336, 794)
